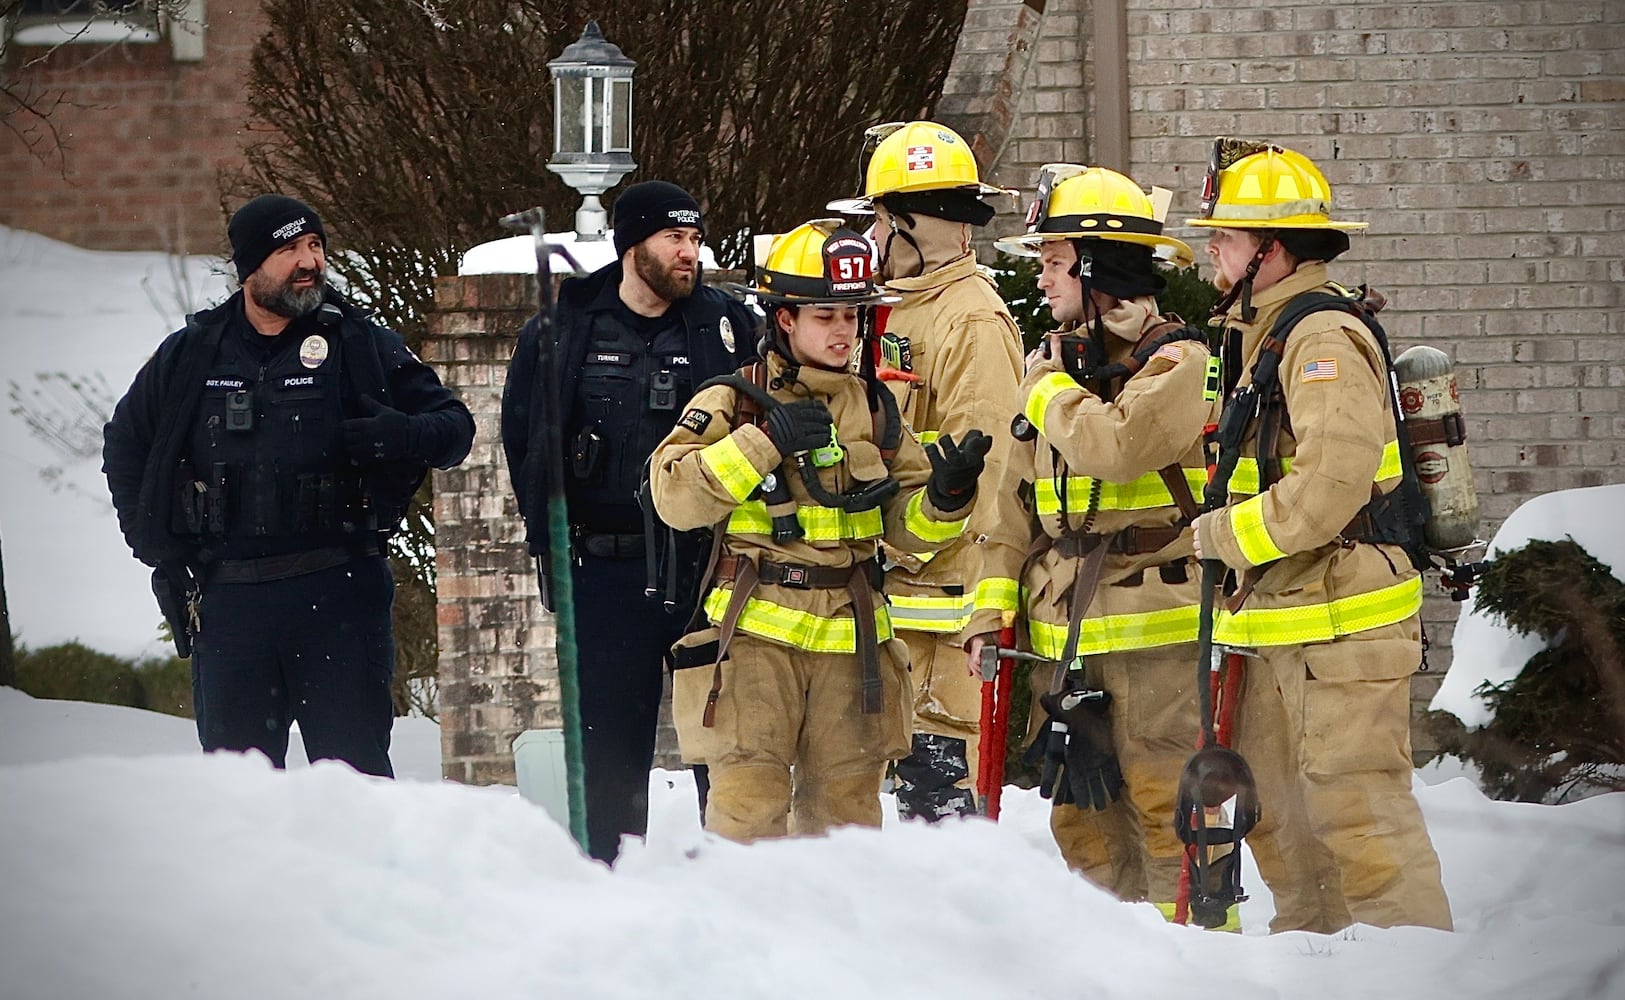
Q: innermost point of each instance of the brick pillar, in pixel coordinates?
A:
(498, 670)
(498, 665)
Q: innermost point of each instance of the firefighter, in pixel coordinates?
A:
(956, 359)
(1093, 514)
(1318, 591)
(804, 466)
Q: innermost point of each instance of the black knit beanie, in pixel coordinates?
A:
(266, 223)
(645, 209)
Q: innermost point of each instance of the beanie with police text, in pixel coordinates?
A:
(265, 224)
(645, 209)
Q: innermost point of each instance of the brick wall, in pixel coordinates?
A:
(498, 672)
(145, 138)
(498, 667)
(1484, 142)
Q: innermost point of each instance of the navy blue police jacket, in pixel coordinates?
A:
(721, 335)
(149, 433)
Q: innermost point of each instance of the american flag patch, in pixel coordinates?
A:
(1173, 352)
(920, 157)
(1322, 370)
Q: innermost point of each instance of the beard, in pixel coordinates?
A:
(1220, 282)
(282, 299)
(663, 281)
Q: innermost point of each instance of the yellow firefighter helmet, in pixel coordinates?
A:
(1255, 185)
(910, 157)
(1093, 203)
(818, 263)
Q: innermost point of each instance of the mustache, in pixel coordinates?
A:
(305, 272)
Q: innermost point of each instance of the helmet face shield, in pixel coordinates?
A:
(1226, 151)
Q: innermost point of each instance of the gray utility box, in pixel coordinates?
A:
(538, 763)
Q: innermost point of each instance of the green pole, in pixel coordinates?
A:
(558, 526)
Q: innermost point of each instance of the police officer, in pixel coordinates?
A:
(259, 459)
(1320, 592)
(1094, 513)
(957, 355)
(795, 691)
(633, 340)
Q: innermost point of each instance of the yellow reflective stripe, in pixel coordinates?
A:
(927, 530)
(922, 613)
(1320, 622)
(1247, 521)
(928, 437)
(800, 629)
(1245, 480)
(1389, 467)
(998, 593)
(733, 470)
(1144, 493)
(1118, 633)
(818, 524)
(1048, 388)
(951, 612)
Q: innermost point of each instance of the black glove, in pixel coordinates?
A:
(799, 426)
(1092, 778)
(954, 469)
(383, 435)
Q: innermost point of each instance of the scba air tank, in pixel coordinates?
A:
(1432, 406)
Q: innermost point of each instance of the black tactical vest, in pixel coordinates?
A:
(264, 471)
(634, 384)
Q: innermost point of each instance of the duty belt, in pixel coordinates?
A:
(748, 574)
(1090, 549)
(610, 546)
(269, 568)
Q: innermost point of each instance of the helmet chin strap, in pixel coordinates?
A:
(1243, 289)
(885, 254)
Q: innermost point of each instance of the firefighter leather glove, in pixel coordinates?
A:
(383, 435)
(799, 426)
(1093, 778)
(954, 468)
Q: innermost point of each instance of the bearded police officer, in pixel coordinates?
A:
(259, 460)
(633, 341)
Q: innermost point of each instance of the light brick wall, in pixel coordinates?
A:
(498, 672)
(1483, 141)
(145, 139)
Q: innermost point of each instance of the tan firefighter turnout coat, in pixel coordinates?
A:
(966, 352)
(706, 472)
(1336, 443)
(1093, 468)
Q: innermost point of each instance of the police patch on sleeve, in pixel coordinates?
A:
(696, 420)
(725, 330)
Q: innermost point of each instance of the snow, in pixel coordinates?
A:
(1485, 649)
(84, 313)
(134, 866)
(517, 255)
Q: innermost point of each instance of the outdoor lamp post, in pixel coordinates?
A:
(592, 123)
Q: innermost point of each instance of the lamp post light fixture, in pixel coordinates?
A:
(592, 123)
